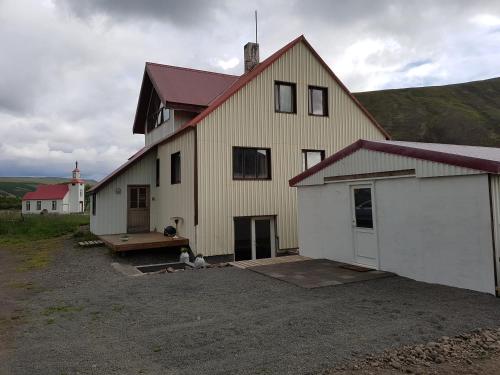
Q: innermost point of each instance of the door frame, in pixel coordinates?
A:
(272, 234)
(148, 203)
(354, 229)
(253, 244)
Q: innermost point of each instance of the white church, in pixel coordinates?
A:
(64, 198)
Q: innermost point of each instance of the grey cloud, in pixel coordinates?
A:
(184, 13)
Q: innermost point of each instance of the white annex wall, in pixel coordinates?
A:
(436, 230)
(111, 207)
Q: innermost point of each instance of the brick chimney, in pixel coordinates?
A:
(251, 54)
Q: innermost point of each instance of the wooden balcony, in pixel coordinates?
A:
(141, 241)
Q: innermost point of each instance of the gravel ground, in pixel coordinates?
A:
(89, 319)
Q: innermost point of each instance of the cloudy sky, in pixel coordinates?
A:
(71, 69)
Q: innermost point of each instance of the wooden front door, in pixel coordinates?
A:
(138, 209)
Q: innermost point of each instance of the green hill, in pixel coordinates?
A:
(466, 113)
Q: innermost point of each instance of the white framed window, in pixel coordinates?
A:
(311, 158)
(54, 205)
(28, 205)
(38, 205)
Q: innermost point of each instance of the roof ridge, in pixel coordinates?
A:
(190, 69)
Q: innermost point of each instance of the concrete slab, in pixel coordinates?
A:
(316, 273)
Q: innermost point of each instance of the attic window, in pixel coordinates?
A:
(318, 101)
(285, 97)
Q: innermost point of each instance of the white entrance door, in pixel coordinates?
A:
(363, 224)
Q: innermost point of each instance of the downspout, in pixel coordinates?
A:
(497, 289)
(196, 188)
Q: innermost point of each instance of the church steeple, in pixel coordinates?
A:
(76, 172)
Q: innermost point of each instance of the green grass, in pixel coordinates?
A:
(466, 113)
(10, 203)
(34, 239)
(38, 227)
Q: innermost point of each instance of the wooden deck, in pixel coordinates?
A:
(141, 241)
(268, 261)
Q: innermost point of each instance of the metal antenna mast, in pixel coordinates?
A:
(256, 27)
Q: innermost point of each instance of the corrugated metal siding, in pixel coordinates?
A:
(111, 208)
(495, 202)
(248, 119)
(178, 199)
(368, 161)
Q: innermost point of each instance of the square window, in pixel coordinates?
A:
(318, 101)
(251, 163)
(285, 97)
(175, 168)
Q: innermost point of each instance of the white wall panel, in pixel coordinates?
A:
(368, 161)
(111, 207)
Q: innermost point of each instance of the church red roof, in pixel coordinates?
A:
(45, 192)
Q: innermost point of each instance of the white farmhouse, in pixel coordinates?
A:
(426, 211)
(62, 198)
(220, 149)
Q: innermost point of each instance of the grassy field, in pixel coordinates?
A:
(34, 239)
(16, 229)
(466, 113)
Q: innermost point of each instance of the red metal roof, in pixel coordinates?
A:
(45, 192)
(485, 159)
(187, 86)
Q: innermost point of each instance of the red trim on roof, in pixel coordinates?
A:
(122, 168)
(47, 192)
(480, 164)
(328, 161)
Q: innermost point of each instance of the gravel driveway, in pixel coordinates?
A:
(90, 319)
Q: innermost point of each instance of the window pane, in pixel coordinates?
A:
(363, 207)
(262, 164)
(237, 163)
(286, 98)
(175, 165)
(250, 167)
(313, 158)
(166, 114)
(317, 101)
(133, 198)
(142, 198)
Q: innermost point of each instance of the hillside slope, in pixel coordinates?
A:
(466, 113)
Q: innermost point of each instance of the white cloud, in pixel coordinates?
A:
(486, 20)
(228, 64)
